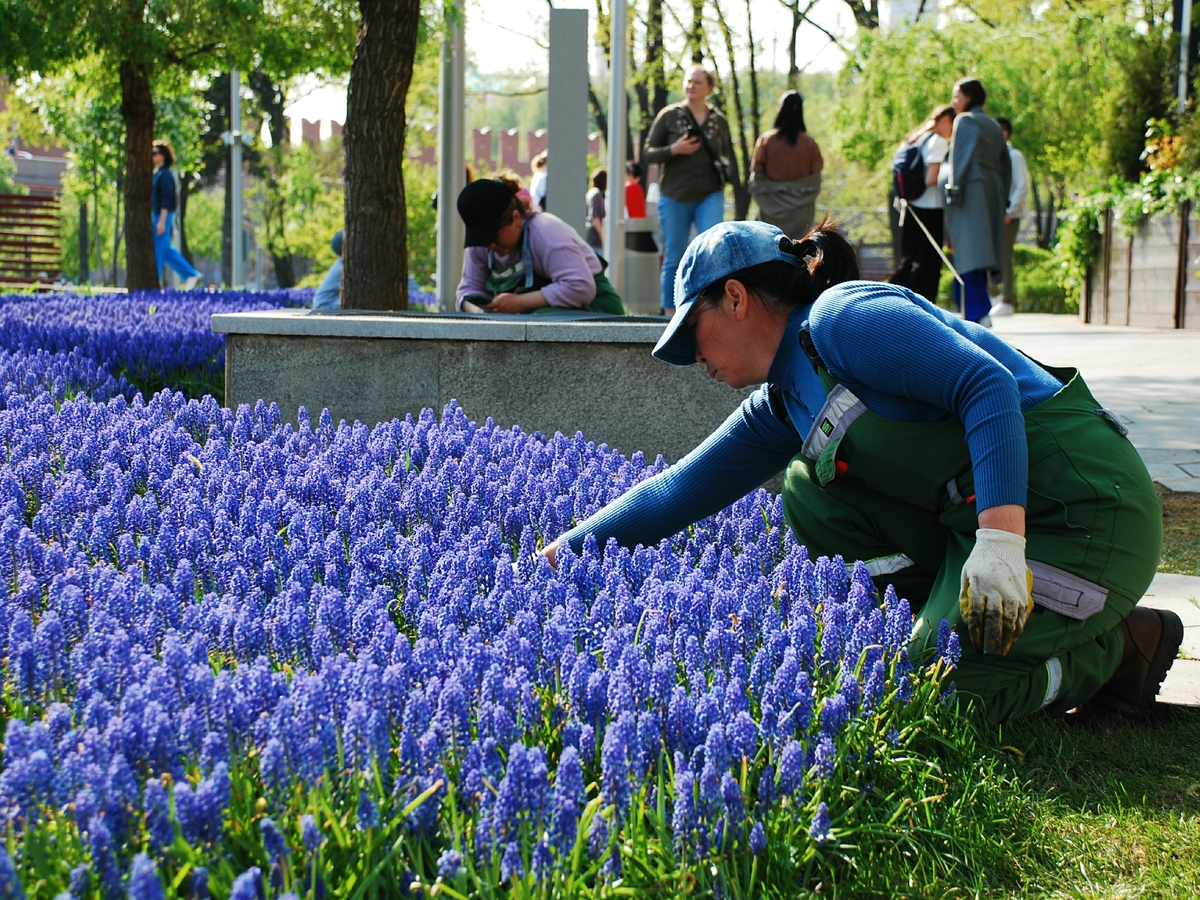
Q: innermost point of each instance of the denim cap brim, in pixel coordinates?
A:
(715, 254)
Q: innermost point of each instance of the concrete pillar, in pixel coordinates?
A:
(451, 155)
(614, 238)
(566, 122)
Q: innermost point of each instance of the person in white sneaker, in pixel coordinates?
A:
(1018, 194)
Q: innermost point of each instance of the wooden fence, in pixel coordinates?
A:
(1151, 278)
(30, 239)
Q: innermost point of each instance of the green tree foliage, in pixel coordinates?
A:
(1078, 80)
(302, 205)
(135, 42)
(8, 169)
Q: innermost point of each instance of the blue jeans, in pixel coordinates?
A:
(329, 293)
(976, 304)
(676, 217)
(165, 253)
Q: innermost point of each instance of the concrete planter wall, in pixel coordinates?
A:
(593, 375)
(1150, 279)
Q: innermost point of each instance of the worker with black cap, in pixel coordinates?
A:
(521, 260)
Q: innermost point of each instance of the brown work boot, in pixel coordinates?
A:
(1152, 639)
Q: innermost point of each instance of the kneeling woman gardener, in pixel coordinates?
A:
(522, 260)
(992, 491)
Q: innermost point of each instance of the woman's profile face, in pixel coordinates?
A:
(695, 84)
(959, 100)
(944, 126)
(508, 236)
(735, 340)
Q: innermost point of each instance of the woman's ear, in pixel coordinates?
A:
(739, 298)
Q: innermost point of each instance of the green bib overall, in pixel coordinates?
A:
(900, 496)
(520, 278)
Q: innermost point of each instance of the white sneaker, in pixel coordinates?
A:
(1001, 309)
(191, 282)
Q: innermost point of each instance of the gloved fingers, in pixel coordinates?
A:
(993, 622)
(972, 613)
(1017, 614)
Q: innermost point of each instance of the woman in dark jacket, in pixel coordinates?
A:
(162, 205)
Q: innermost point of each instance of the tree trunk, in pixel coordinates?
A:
(755, 110)
(599, 116)
(118, 230)
(866, 13)
(696, 35)
(185, 182)
(652, 87)
(271, 100)
(137, 109)
(793, 79)
(84, 246)
(375, 252)
(741, 173)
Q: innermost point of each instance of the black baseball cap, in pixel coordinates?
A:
(482, 204)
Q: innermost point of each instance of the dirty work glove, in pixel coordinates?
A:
(997, 590)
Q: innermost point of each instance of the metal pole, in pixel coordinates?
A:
(451, 156)
(618, 122)
(1185, 46)
(237, 274)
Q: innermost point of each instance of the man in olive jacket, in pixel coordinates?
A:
(976, 184)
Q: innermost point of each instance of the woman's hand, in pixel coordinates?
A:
(516, 303)
(550, 551)
(685, 146)
(162, 227)
(996, 588)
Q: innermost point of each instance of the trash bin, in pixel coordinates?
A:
(640, 281)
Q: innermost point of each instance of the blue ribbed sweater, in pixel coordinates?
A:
(905, 358)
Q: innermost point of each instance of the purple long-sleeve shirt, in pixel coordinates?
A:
(558, 252)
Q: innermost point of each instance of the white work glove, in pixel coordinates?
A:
(997, 590)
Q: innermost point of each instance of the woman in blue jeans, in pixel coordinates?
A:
(163, 205)
(688, 141)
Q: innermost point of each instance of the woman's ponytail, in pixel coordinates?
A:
(825, 259)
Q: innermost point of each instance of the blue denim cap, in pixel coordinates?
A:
(713, 255)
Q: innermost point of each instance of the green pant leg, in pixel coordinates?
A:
(859, 523)
(1013, 686)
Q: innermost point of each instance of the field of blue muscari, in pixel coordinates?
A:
(245, 659)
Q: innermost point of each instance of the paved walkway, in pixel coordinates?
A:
(1151, 378)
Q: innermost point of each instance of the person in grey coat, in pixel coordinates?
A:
(975, 185)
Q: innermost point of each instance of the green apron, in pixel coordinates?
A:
(900, 496)
(520, 278)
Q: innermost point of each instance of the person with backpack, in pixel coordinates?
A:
(914, 175)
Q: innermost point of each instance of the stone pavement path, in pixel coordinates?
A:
(1151, 378)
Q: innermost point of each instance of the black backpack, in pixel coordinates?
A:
(908, 169)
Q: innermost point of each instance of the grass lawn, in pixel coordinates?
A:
(1115, 806)
(1181, 533)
